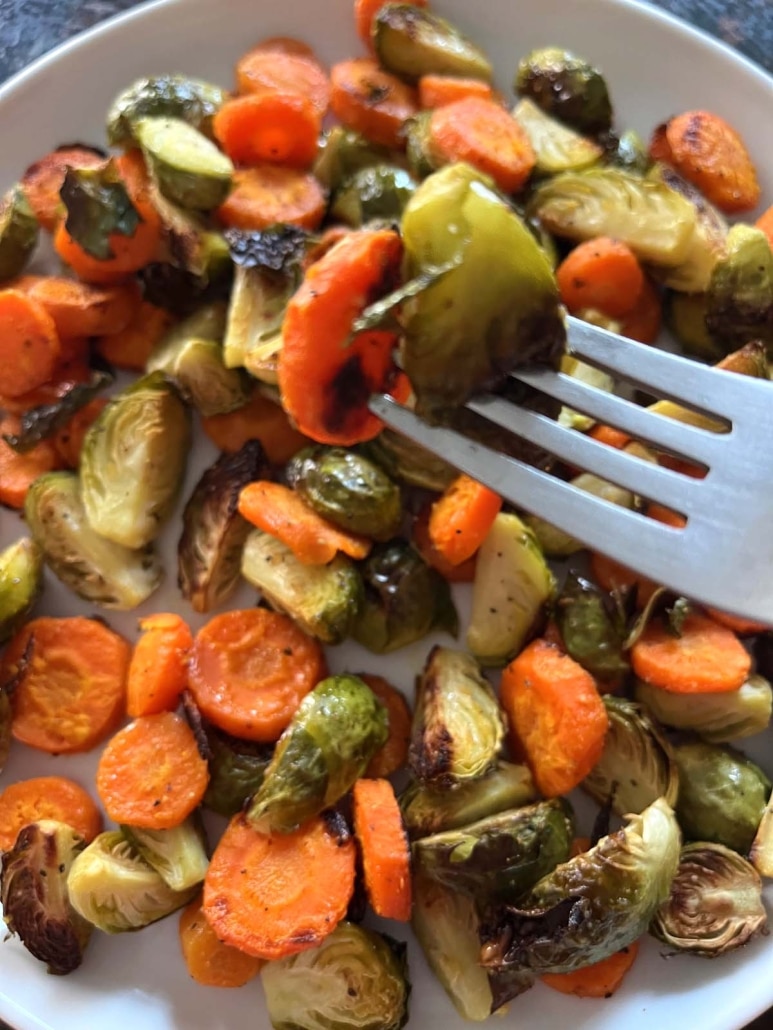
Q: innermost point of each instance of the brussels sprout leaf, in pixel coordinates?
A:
(39, 423)
(97, 206)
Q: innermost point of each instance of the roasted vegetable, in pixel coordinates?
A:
(566, 87)
(178, 855)
(343, 152)
(740, 294)
(21, 580)
(715, 904)
(35, 899)
(412, 41)
(196, 367)
(335, 732)
(6, 723)
(761, 851)
(97, 206)
(407, 461)
(626, 150)
(718, 718)
(195, 271)
(236, 771)
(458, 727)
(96, 569)
(686, 318)
(42, 422)
(133, 461)
(359, 978)
(418, 151)
(381, 191)
(557, 148)
(18, 233)
(162, 96)
(593, 629)
(189, 169)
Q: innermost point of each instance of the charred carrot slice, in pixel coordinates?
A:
(43, 180)
(158, 671)
(47, 797)
(280, 128)
(210, 962)
(439, 90)
(462, 573)
(461, 519)
(82, 309)
(259, 419)
(599, 980)
(394, 753)
(267, 194)
(603, 274)
(386, 857)
(372, 101)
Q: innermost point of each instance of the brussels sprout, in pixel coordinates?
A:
(556, 147)
(97, 206)
(595, 377)
(357, 979)
(133, 462)
(458, 726)
(323, 599)
(18, 233)
(686, 319)
(96, 569)
(591, 906)
(42, 422)
(555, 543)
(512, 585)
(501, 857)
(404, 599)
(381, 191)
(722, 794)
(761, 851)
(347, 489)
(418, 149)
(236, 771)
(196, 269)
(342, 152)
(497, 308)
(334, 733)
(626, 150)
(178, 855)
(566, 87)
(718, 718)
(163, 96)
(407, 461)
(21, 580)
(593, 629)
(412, 41)
(34, 895)
(189, 169)
(197, 368)
(115, 889)
(740, 293)
(715, 905)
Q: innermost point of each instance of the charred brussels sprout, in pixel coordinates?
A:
(418, 151)
(593, 628)
(359, 978)
(718, 718)
(347, 489)
(35, 898)
(18, 233)
(458, 727)
(41, 422)
(407, 461)
(626, 150)
(567, 87)
(343, 152)
(96, 569)
(722, 794)
(556, 147)
(740, 293)
(189, 169)
(378, 192)
(411, 41)
(21, 580)
(236, 771)
(178, 855)
(133, 462)
(166, 96)
(97, 206)
(335, 732)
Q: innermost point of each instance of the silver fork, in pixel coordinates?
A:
(724, 555)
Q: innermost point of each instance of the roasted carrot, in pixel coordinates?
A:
(610, 436)
(151, 774)
(274, 70)
(74, 350)
(250, 669)
(386, 856)
(210, 962)
(259, 419)
(686, 468)
(485, 135)
(43, 180)
(765, 222)
(392, 756)
(273, 896)
(279, 128)
(579, 846)
(158, 671)
(19, 471)
(599, 980)
(742, 627)
(71, 687)
(372, 101)
(325, 381)
(365, 12)
(325, 242)
(659, 150)
(462, 573)
(68, 441)
(439, 90)
(30, 343)
(556, 714)
(130, 347)
(82, 309)
(286, 45)
(268, 194)
(706, 658)
(461, 519)
(66, 374)
(46, 797)
(280, 511)
(601, 273)
(645, 318)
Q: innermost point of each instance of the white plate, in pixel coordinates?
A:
(656, 66)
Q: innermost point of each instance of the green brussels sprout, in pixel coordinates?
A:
(418, 150)
(740, 293)
(35, 898)
(360, 982)
(715, 904)
(21, 581)
(323, 599)
(42, 422)
(115, 889)
(722, 794)
(96, 569)
(591, 906)
(381, 191)
(189, 168)
(718, 718)
(133, 462)
(335, 732)
(163, 96)
(761, 851)
(407, 461)
(685, 315)
(556, 147)
(342, 152)
(497, 306)
(18, 233)
(197, 369)
(412, 41)
(347, 489)
(567, 87)
(626, 150)
(499, 858)
(236, 771)
(593, 629)
(458, 727)
(178, 855)
(97, 206)
(196, 269)
(595, 377)
(513, 584)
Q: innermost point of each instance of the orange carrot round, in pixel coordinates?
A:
(365, 12)
(267, 194)
(274, 127)
(43, 180)
(68, 441)
(268, 70)
(82, 309)
(151, 774)
(645, 318)
(131, 346)
(601, 273)
(386, 856)
(158, 670)
(610, 436)
(462, 573)
(599, 980)
(394, 753)
(439, 90)
(736, 623)
(19, 471)
(460, 520)
(66, 374)
(286, 45)
(210, 962)
(46, 797)
(259, 419)
(372, 101)
(30, 343)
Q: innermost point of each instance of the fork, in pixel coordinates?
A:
(724, 555)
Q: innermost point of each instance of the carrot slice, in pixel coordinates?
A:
(70, 691)
(43, 180)
(68, 441)
(659, 149)
(158, 671)
(280, 128)
(372, 101)
(259, 419)
(286, 45)
(31, 347)
(485, 135)
(268, 194)
(365, 12)
(460, 520)
(210, 962)
(131, 346)
(82, 309)
(274, 70)
(765, 222)
(645, 318)
(151, 774)
(557, 715)
(439, 90)
(603, 274)
(599, 980)
(273, 896)
(736, 623)
(394, 753)
(386, 856)
(46, 797)
(19, 471)
(462, 573)
(250, 669)
(610, 436)
(65, 376)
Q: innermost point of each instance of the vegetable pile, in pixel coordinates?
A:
(232, 270)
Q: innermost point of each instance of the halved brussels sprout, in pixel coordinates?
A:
(715, 904)
(591, 906)
(178, 855)
(566, 87)
(556, 147)
(342, 152)
(761, 851)
(595, 377)
(94, 568)
(627, 150)
(97, 206)
(347, 489)
(458, 727)
(418, 151)
(18, 233)
(196, 366)
(686, 318)
(740, 294)
(166, 96)
(381, 191)
(412, 41)
(407, 461)
(133, 461)
(323, 599)
(34, 895)
(236, 770)
(722, 794)
(115, 889)
(554, 542)
(593, 629)
(21, 580)
(718, 718)
(512, 585)
(189, 168)
(335, 732)
(357, 979)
